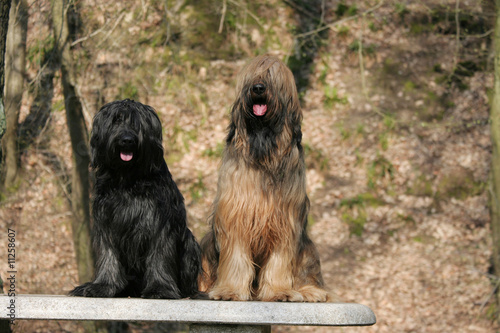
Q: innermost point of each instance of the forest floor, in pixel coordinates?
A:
(397, 152)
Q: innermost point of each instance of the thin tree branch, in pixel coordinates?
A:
(112, 29)
(361, 59)
(336, 23)
(486, 34)
(224, 8)
(82, 39)
(457, 37)
(248, 12)
(167, 17)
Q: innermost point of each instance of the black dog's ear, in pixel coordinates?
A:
(96, 138)
(153, 132)
(156, 128)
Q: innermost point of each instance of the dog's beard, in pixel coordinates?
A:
(125, 148)
(121, 147)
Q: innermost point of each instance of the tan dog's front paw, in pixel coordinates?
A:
(269, 294)
(313, 294)
(228, 294)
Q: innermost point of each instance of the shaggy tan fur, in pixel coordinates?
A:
(258, 247)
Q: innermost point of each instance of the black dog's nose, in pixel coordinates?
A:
(127, 140)
(259, 88)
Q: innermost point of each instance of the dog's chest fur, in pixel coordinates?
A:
(131, 215)
(262, 207)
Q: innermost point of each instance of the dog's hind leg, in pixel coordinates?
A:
(308, 278)
(190, 265)
(209, 262)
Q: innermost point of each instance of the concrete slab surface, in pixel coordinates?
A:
(58, 307)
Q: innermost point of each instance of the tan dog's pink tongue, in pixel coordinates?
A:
(259, 109)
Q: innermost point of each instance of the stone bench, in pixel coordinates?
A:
(201, 315)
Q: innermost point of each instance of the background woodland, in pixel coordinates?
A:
(396, 98)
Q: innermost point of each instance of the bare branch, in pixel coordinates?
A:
(361, 59)
(336, 23)
(224, 8)
(248, 12)
(112, 29)
(457, 38)
(95, 33)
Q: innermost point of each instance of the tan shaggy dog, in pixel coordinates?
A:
(258, 247)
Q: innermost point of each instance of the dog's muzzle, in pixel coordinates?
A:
(258, 96)
(127, 146)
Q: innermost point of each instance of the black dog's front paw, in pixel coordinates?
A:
(90, 289)
(80, 290)
(161, 293)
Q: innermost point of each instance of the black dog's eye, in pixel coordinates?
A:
(118, 118)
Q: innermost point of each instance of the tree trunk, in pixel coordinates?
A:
(495, 159)
(79, 143)
(4, 24)
(15, 60)
(43, 92)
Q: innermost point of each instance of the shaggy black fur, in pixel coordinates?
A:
(140, 235)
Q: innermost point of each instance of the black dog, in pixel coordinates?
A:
(140, 236)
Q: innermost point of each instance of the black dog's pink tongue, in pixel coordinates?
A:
(126, 156)
(259, 109)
